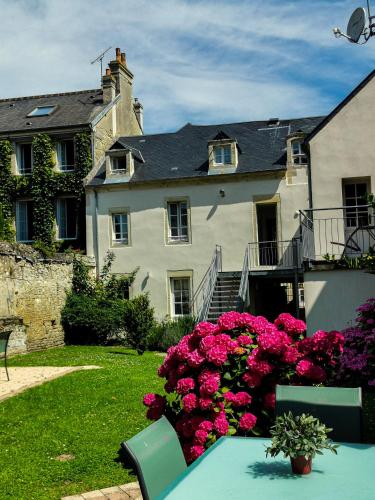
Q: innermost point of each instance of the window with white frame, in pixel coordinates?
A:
(178, 221)
(65, 155)
(223, 155)
(24, 159)
(24, 226)
(355, 194)
(180, 294)
(120, 229)
(118, 164)
(66, 219)
(298, 155)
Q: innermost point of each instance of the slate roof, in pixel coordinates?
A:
(184, 154)
(72, 108)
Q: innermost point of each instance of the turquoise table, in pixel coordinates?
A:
(237, 469)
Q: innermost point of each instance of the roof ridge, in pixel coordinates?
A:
(58, 94)
(250, 121)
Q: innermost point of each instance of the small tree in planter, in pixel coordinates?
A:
(300, 438)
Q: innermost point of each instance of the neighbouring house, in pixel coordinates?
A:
(339, 222)
(80, 127)
(209, 213)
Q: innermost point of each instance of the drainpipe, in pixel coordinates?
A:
(95, 235)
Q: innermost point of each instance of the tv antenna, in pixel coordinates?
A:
(361, 26)
(100, 58)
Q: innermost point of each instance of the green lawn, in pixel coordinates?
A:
(86, 414)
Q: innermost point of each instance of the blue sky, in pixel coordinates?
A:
(194, 61)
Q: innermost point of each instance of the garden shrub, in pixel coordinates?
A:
(96, 309)
(221, 378)
(357, 366)
(169, 332)
(138, 321)
(91, 320)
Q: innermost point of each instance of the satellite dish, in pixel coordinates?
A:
(356, 24)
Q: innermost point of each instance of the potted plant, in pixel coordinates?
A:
(299, 437)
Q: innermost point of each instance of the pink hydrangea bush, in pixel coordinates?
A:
(220, 379)
(358, 358)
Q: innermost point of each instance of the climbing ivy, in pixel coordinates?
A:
(42, 189)
(6, 192)
(43, 186)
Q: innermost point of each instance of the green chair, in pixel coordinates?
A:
(156, 456)
(4, 339)
(337, 407)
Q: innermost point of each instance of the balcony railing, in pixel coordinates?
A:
(202, 296)
(275, 255)
(342, 231)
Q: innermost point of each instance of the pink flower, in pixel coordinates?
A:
(247, 421)
(205, 328)
(195, 359)
(229, 320)
(207, 343)
(196, 451)
(217, 355)
(209, 387)
(200, 437)
(269, 400)
(306, 368)
(291, 355)
(156, 406)
(252, 379)
(229, 397)
(184, 385)
(181, 369)
(189, 402)
(258, 366)
(221, 425)
(242, 399)
(244, 340)
(149, 399)
(275, 342)
(208, 373)
(205, 403)
(206, 425)
(290, 325)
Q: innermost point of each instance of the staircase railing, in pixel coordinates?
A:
(203, 295)
(244, 284)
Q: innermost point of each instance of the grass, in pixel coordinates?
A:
(85, 414)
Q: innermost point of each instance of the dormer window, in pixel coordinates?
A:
(298, 156)
(118, 164)
(223, 155)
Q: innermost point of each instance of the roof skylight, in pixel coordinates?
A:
(42, 111)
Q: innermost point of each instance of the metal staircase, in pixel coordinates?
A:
(225, 295)
(219, 291)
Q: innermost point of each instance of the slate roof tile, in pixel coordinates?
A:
(183, 154)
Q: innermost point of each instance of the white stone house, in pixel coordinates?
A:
(208, 213)
(340, 223)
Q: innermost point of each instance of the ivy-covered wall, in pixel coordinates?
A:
(44, 186)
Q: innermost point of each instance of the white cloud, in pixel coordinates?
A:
(200, 61)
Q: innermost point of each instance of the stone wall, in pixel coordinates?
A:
(33, 291)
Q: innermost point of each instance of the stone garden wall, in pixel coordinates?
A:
(32, 294)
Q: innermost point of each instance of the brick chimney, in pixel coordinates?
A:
(120, 71)
(108, 86)
(138, 110)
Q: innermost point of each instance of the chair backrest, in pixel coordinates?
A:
(337, 407)
(4, 338)
(157, 457)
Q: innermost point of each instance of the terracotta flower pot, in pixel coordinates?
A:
(301, 465)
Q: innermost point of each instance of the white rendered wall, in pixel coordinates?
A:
(228, 221)
(332, 297)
